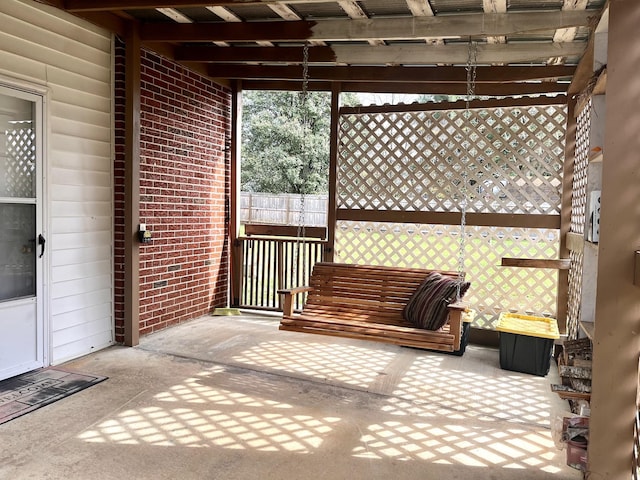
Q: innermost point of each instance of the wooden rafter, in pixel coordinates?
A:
(452, 54)
(495, 6)
(354, 10)
(567, 34)
(408, 28)
(489, 89)
(422, 8)
(387, 52)
(495, 75)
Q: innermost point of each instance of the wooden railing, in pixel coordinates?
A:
(269, 263)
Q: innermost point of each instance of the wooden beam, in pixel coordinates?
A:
(584, 70)
(416, 55)
(213, 54)
(429, 74)
(323, 54)
(454, 53)
(132, 188)
(460, 105)
(450, 218)
(405, 28)
(417, 88)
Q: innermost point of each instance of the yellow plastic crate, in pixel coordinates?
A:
(529, 325)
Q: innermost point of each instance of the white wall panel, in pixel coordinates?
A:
(72, 256)
(73, 60)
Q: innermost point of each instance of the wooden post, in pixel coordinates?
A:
(565, 214)
(235, 249)
(333, 173)
(617, 310)
(132, 188)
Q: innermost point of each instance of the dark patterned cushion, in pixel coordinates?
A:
(427, 307)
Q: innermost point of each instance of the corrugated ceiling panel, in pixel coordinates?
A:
(440, 7)
(320, 10)
(147, 15)
(515, 5)
(199, 14)
(375, 8)
(253, 12)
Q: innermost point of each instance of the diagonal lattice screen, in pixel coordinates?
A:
(412, 161)
(510, 160)
(20, 163)
(578, 216)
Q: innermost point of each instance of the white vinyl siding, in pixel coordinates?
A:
(73, 60)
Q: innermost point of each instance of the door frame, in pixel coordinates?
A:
(39, 94)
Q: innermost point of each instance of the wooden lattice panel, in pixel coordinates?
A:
(416, 161)
(494, 288)
(578, 214)
(19, 177)
(580, 171)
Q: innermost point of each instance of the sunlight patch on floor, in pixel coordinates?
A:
(356, 366)
(225, 419)
(458, 444)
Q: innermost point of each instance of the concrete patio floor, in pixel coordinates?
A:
(234, 398)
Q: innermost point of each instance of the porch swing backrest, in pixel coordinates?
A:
(367, 302)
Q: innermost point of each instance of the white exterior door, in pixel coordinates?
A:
(22, 240)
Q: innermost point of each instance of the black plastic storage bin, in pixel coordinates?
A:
(526, 342)
(522, 353)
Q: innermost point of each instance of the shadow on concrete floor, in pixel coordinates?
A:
(234, 398)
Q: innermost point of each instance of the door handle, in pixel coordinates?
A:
(41, 242)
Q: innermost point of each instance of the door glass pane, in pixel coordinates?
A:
(17, 148)
(17, 251)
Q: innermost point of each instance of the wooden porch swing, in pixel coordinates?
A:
(367, 302)
(403, 306)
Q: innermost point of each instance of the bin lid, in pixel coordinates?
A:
(529, 325)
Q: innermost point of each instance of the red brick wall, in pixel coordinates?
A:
(184, 175)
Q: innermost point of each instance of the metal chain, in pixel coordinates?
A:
(301, 232)
(472, 61)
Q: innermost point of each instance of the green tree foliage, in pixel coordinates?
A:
(285, 142)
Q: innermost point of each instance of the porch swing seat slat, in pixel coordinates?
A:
(366, 302)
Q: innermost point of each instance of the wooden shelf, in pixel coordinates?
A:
(588, 328)
(596, 157)
(568, 393)
(557, 263)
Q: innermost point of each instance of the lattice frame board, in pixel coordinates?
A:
(578, 217)
(511, 161)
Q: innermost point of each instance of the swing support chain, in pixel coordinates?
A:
(472, 60)
(305, 170)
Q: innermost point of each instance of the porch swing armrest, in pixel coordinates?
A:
(289, 294)
(458, 306)
(455, 324)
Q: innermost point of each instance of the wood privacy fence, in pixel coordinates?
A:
(283, 209)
